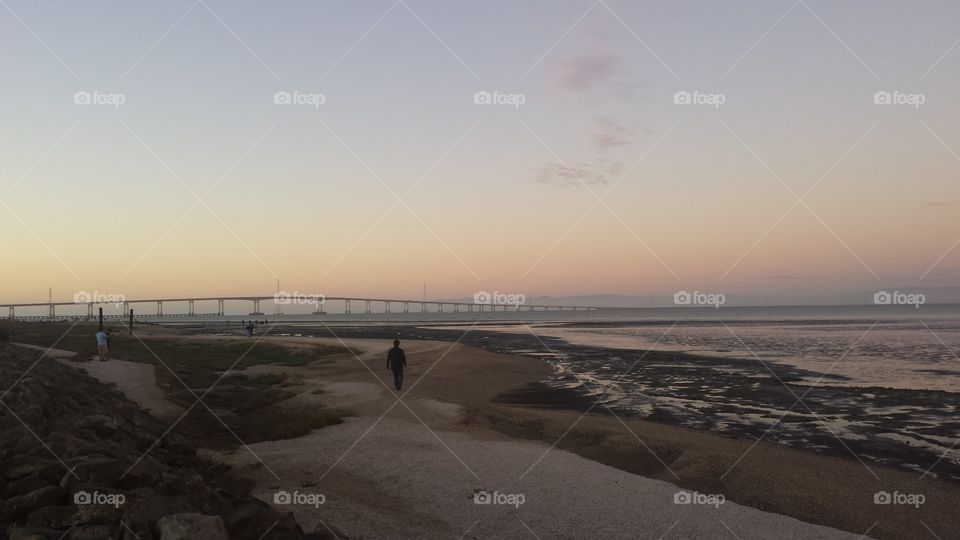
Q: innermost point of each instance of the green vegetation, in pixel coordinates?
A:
(236, 404)
(273, 423)
(223, 476)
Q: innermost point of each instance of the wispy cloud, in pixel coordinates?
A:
(611, 134)
(601, 167)
(600, 172)
(587, 71)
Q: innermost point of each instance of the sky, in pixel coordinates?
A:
(543, 147)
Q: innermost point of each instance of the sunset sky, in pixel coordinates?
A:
(597, 183)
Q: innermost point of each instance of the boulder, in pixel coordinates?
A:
(191, 526)
(96, 532)
(254, 519)
(24, 485)
(18, 507)
(104, 472)
(31, 533)
(54, 517)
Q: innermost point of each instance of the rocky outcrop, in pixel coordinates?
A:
(190, 526)
(77, 456)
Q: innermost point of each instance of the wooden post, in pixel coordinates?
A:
(101, 319)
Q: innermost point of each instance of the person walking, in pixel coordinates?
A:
(396, 361)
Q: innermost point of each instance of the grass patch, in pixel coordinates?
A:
(223, 476)
(250, 405)
(198, 362)
(259, 399)
(278, 422)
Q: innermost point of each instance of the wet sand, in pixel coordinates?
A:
(501, 398)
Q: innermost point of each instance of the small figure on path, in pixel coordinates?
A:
(396, 361)
(103, 344)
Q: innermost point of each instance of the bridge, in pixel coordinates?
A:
(369, 304)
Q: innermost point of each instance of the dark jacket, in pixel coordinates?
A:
(396, 360)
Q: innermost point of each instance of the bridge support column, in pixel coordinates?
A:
(423, 307)
(406, 307)
(256, 307)
(347, 308)
(439, 308)
(13, 313)
(386, 307)
(190, 309)
(159, 308)
(220, 310)
(366, 307)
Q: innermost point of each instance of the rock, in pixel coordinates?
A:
(22, 486)
(191, 526)
(254, 519)
(98, 514)
(32, 533)
(328, 532)
(22, 466)
(99, 433)
(53, 517)
(18, 507)
(104, 472)
(96, 532)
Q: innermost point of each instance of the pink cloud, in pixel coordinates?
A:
(586, 71)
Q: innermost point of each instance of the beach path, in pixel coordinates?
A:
(136, 380)
(411, 470)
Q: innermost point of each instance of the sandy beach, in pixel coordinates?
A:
(411, 467)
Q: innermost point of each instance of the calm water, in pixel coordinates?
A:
(905, 348)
